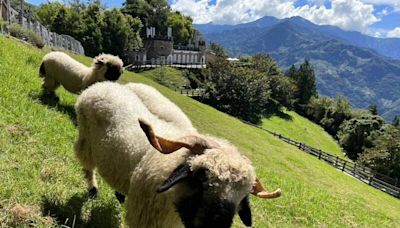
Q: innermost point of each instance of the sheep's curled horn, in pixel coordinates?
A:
(196, 145)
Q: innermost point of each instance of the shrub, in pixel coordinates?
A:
(3, 26)
(22, 33)
(358, 134)
(385, 156)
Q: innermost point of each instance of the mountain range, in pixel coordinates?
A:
(365, 69)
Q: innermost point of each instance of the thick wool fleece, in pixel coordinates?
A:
(111, 139)
(59, 68)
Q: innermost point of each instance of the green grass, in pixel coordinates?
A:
(167, 76)
(298, 128)
(39, 172)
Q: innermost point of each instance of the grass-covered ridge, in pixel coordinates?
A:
(38, 169)
(298, 128)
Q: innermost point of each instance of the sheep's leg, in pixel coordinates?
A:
(84, 155)
(49, 87)
(92, 183)
(120, 197)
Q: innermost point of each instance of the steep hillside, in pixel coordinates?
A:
(42, 183)
(361, 74)
(298, 128)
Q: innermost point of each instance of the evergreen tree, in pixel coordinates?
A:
(306, 82)
(373, 109)
(292, 72)
(396, 121)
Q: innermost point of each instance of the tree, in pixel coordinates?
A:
(384, 157)
(306, 82)
(266, 64)
(396, 121)
(92, 40)
(218, 50)
(373, 109)
(152, 13)
(99, 30)
(336, 114)
(182, 28)
(357, 134)
(292, 72)
(283, 89)
(117, 32)
(239, 91)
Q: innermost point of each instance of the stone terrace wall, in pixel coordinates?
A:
(50, 38)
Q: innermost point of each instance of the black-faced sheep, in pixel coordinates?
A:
(59, 68)
(196, 180)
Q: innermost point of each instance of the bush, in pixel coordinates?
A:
(22, 33)
(3, 26)
(358, 134)
(385, 156)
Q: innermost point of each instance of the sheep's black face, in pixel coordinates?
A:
(200, 210)
(113, 72)
(203, 208)
(201, 205)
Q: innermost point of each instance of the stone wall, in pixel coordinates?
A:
(50, 38)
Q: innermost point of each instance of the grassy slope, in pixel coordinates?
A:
(39, 171)
(298, 128)
(170, 77)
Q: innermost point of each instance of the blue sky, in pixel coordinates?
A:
(374, 17)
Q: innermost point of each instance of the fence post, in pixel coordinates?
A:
(344, 165)
(354, 168)
(370, 180)
(319, 154)
(337, 159)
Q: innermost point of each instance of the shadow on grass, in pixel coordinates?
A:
(53, 102)
(69, 214)
(280, 114)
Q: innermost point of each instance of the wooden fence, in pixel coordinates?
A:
(191, 92)
(364, 174)
(152, 64)
(50, 38)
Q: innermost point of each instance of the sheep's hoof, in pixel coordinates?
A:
(92, 193)
(120, 197)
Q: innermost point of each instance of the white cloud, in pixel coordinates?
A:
(347, 14)
(394, 33)
(395, 4)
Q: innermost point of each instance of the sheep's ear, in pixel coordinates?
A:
(163, 145)
(182, 172)
(245, 211)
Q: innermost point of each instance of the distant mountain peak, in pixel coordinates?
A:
(349, 63)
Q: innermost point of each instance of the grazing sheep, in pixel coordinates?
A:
(59, 68)
(196, 180)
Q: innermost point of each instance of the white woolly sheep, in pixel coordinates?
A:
(59, 68)
(207, 179)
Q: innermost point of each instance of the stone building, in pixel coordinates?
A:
(161, 51)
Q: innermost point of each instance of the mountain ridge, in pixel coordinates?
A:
(362, 74)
